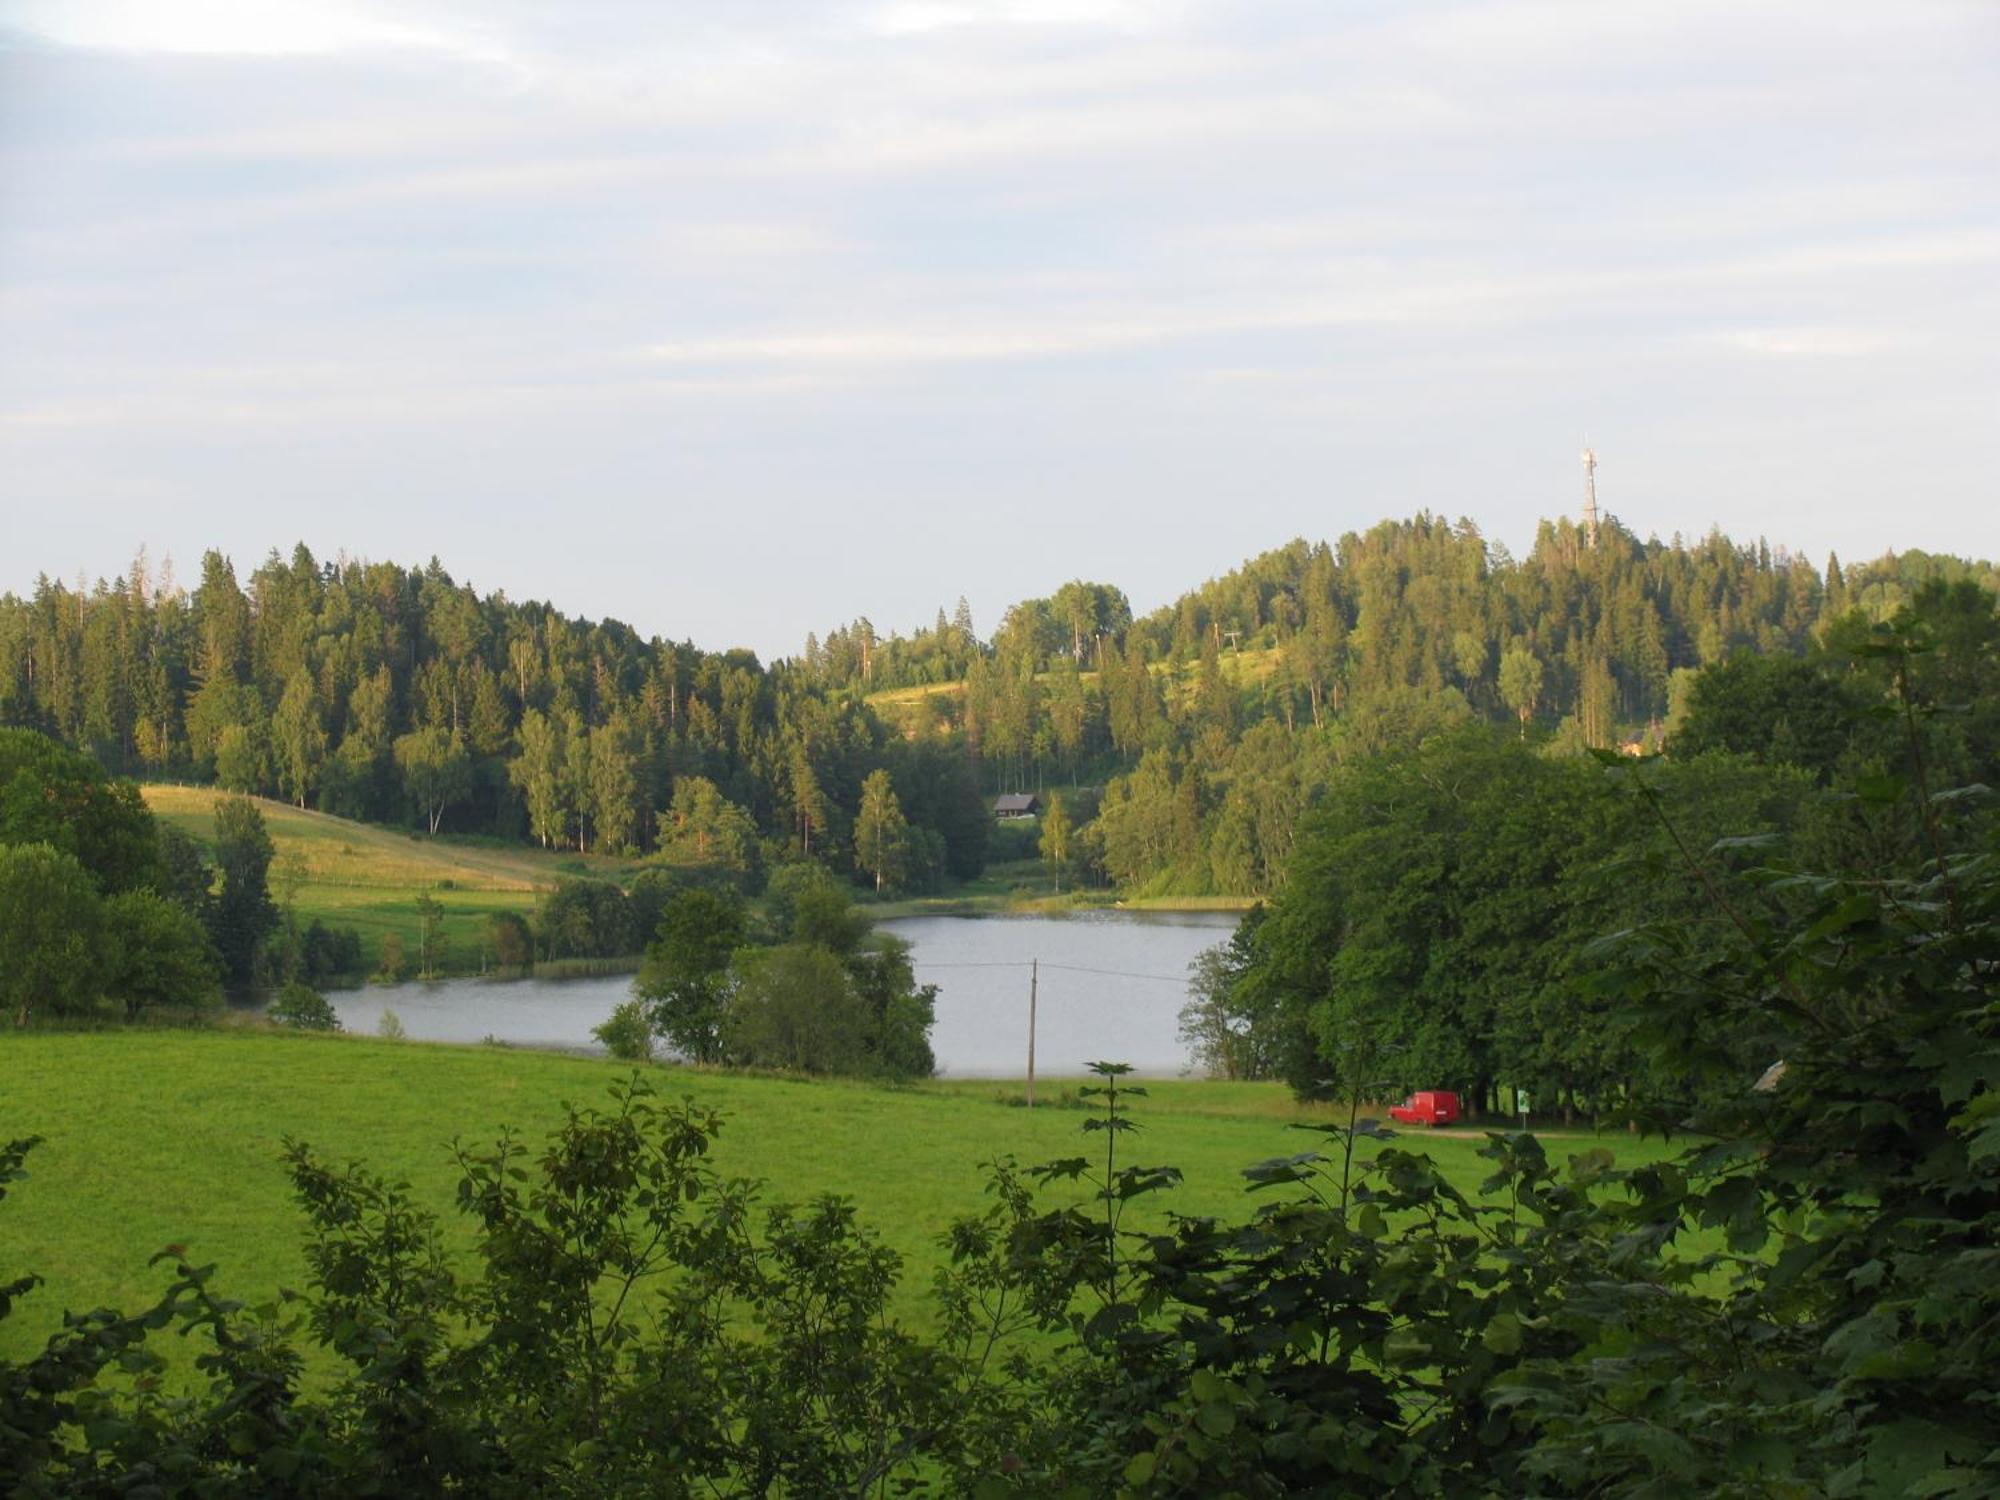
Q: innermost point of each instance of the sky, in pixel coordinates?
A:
(736, 319)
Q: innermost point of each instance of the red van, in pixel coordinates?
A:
(1432, 1107)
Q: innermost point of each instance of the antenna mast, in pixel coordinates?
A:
(1590, 493)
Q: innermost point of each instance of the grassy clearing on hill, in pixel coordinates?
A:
(367, 877)
(160, 1137)
(1247, 670)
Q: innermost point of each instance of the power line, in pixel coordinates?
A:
(1180, 979)
(1069, 968)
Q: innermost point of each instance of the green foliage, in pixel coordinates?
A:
(513, 944)
(430, 944)
(1057, 831)
(329, 952)
(242, 915)
(1227, 1035)
(1803, 1303)
(50, 795)
(795, 1007)
(703, 830)
(51, 919)
(157, 954)
(437, 772)
(585, 919)
(627, 1033)
(685, 979)
(805, 904)
(375, 691)
(303, 1008)
(882, 834)
(1440, 898)
(185, 875)
(940, 796)
(1778, 709)
(389, 1027)
(900, 1011)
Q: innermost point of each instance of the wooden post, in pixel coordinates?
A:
(1034, 981)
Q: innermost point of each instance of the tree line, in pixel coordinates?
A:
(397, 695)
(1196, 736)
(1192, 739)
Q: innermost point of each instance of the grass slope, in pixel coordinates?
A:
(367, 877)
(157, 1137)
(1247, 670)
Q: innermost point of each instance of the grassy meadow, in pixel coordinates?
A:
(158, 1137)
(368, 877)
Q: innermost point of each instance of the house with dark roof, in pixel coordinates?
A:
(1016, 805)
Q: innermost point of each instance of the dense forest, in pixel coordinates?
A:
(1190, 740)
(386, 694)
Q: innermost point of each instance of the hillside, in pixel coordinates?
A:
(367, 877)
(402, 698)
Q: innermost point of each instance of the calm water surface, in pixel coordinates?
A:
(1111, 985)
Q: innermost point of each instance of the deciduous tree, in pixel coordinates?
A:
(881, 833)
(51, 920)
(436, 772)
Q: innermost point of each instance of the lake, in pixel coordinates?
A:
(1110, 986)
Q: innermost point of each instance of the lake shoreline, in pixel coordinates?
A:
(1110, 982)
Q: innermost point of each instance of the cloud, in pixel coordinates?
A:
(962, 251)
(923, 17)
(252, 28)
(1815, 343)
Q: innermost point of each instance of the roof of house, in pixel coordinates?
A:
(1015, 802)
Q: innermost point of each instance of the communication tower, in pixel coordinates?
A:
(1589, 493)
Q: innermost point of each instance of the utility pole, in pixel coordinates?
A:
(1034, 979)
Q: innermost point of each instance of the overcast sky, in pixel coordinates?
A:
(736, 319)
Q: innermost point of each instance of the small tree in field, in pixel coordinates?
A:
(513, 944)
(242, 912)
(430, 940)
(303, 1008)
(627, 1034)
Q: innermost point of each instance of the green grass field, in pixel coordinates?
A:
(367, 877)
(158, 1137)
